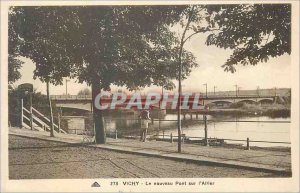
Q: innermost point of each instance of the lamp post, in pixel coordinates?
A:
(67, 87)
(236, 90)
(257, 90)
(215, 90)
(205, 89)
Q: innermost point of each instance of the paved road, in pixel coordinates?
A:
(38, 159)
(276, 159)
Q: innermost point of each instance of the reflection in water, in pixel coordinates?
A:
(258, 131)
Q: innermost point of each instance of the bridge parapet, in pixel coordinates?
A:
(70, 97)
(89, 97)
(239, 97)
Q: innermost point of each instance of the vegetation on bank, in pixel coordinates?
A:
(274, 110)
(39, 102)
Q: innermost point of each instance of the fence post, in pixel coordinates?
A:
(31, 115)
(158, 126)
(116, 134)
(21, 125)
(171, 137)
(58, 117)
(205, 131)
(248, 144)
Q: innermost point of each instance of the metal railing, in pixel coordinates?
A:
(225, 139)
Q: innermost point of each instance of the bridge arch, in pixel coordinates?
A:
(219, 103)
(266, 101)
(247, 101)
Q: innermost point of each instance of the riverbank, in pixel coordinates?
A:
(273, 111)
(215, 142)
(78, 162)
(276, 162)
(270, 112)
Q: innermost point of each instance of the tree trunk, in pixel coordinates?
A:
(100, 135)
(50, 111)
(179, 82)
(179, 130)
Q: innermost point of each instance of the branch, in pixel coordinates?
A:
(186, 27)
(199, 32)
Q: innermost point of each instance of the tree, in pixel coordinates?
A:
(191, 22)
(14, 63)
(85, 91)
(255, 32)
(41, 36)
(128, 46)
(134, 48)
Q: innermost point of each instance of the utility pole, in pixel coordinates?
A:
(205, 89)
(67, 87)
(275, 91)
(215, 90)
(236, 90)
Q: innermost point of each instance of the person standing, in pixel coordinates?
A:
(144, 119)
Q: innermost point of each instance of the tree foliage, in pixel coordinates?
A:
(123, 45)
(14, 63)
(43, 36)
(128, 46)
(134, 46)
(255, 32)
(84, 92)
(14, 103)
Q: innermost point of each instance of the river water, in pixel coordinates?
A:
(220, 126)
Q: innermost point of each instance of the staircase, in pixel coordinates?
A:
(39, 121)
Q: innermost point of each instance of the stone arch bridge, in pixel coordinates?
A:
(84, 102)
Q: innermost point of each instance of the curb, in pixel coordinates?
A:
(208, 162)
(171, 156)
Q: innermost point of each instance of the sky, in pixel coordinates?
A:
(275, 73)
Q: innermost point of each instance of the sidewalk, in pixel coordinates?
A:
(260, 160)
